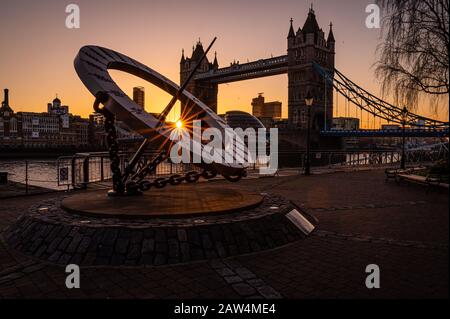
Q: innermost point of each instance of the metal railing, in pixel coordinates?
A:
(94, 167)
(78, 171)
(27, 177)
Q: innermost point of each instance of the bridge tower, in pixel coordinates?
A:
(204, 90)
(306, 45)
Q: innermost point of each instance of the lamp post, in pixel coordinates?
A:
(404, 117)
(309, 102)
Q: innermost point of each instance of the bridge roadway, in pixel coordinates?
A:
(238, 72)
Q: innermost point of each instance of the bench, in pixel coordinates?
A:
(429, 180)
(392, 173)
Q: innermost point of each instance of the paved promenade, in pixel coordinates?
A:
(362, 220)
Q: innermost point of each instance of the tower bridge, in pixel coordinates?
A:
(304, 46)
(310, 67)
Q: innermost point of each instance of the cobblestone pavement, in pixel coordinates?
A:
(362, 220)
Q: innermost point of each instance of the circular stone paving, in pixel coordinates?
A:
(50, 233)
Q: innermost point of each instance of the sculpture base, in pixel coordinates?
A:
(181, 201)
(100, 235)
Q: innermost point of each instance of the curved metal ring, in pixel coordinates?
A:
(92, 64)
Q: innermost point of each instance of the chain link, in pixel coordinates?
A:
(111, 138)
(176, 179)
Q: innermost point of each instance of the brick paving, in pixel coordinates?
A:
(362, 220)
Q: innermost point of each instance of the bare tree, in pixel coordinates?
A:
(414, 54)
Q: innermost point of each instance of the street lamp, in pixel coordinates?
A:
(404, 118)
(309, 102)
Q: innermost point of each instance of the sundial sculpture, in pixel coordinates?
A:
(184, 223)
(92, 64)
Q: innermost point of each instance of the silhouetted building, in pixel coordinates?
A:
(266, 112)
(10, 123)
(306, 45)
(54, 128)
(56, 108)
(139, 96)
(205, 91)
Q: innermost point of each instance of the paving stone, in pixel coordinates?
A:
(225, 271)
(65, 242)
(134, 252)
(217, 263)
(37, 243)
(40, 250)
(105, 251)
(182, 234)
(196, 253)
(220, 250)
(256, 282)
(194, 237)
(64, 259)
(149, 233)
(33, 268)
(55, 256)
(146, 259)
(160, 259)
(109, 237)
(121, 245)
(173, 248)
(137, 237)
(65, 230)
(117, 260)
(76, 259)
(232, 279)
(171, 233)
(148, 245)
(268, 292)
(161, 247)
(244, 273)
(160, 235)
(244, 289)
(206, 241)
(185, 252)
(210, 254)
(74, 244)
(84, 245)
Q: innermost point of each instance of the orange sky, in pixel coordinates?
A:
(37, 52)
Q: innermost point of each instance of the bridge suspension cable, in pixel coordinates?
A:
(374, 105)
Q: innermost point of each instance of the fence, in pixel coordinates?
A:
(28, 177)
(94, 167)
(82, 169)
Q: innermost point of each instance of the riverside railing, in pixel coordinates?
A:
(84, 168)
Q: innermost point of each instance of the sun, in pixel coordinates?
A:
(179, 124)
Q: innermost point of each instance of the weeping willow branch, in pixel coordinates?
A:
(414, 53)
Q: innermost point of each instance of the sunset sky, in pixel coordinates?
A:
(37, 50)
